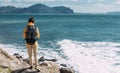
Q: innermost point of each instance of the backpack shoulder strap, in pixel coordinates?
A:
(35, 27)
(32, 26)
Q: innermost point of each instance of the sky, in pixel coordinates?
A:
(79, 6)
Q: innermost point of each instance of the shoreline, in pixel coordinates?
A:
(16, 64)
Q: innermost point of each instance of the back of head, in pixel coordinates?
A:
(31, 19)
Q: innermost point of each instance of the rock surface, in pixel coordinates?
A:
(67, 70)
(41, 59)
(15, 64)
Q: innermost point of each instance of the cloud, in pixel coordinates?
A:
(74, 0)
(5, 1)
(95, 0)
(29, 1)
(117, 2)
(89, 0)
(101, 0)
(93, 8)
(22, 3)
(104, 5)
(100, 7)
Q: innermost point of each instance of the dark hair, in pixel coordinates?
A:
(31, 19)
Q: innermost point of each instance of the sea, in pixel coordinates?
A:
(88, 43)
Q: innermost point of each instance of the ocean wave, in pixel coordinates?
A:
(92, 57)
(13, 48)
(15, 21)
(84, 57)
(46, 52)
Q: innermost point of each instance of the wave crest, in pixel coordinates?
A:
(92, 57)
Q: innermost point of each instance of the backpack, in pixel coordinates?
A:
(31, 35)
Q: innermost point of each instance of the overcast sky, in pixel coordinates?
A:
(84, 6)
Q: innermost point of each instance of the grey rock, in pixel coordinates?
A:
(67, 70)
(41, 59)
(26, 60)
(17, 55)
(64, 65)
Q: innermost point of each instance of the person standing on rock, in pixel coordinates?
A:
(31, 35)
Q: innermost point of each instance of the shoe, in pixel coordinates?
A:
(30, 67)
(38, 70)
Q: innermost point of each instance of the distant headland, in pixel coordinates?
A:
(37, 8)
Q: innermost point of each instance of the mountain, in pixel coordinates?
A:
(62, 9)
(8, 9)
(37, 8)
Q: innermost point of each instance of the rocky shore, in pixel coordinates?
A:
(16, 64)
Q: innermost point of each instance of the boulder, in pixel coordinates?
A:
(67, 70)
(48, 67)
(26, 60)
(4, 54)
(18, 56)
(41, 59)
(5, 70)
(64, 65)
(10, 61)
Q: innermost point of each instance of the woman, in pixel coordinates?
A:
(31, 35)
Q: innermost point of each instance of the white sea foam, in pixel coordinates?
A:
(84, 57)
(11, 49)
(92, 57)
(46, 52)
